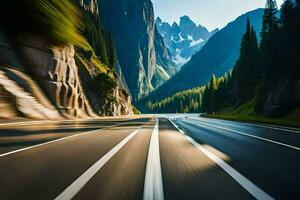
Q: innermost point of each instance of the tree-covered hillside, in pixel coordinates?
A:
(265, 78)
(188, 101)
(100, 39)
(217, 57)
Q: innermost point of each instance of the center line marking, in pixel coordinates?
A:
(153, 186)
(242, 180)
(80, 182)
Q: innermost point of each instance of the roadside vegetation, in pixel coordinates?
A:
(188, 101)
(263, 84)
(245, 114)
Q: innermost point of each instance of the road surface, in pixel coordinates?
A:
(148, 157)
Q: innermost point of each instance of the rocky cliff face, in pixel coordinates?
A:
(117, 103)
(51, 69)
(165, 68)
(42, 83)
(20, 95)
(132, 25)
(284, 97)
(57, 74)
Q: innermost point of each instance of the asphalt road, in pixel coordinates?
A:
(163, 157)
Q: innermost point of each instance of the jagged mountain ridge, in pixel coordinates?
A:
(183, 40)
(217, 57)
(145, 61)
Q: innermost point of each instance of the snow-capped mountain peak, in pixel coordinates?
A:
(183, 39)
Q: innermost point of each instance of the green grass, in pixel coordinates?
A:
(80, 63)
(135, 110)
(102, 68)
(86, 58)
(245, 113)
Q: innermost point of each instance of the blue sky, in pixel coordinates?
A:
(210, 13)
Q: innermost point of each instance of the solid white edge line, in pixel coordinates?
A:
(80, 182)
(179, 129)
(249, 135)
(25, 123)
(57, 140)
(254, 190)
(278, 128)
(153, 186)
(35, 122)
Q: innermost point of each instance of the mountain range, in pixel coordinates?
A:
(217, 57)
(183, 39)
(112, 52)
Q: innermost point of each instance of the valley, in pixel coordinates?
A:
(149, 99)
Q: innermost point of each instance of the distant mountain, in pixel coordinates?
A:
(217, 57)
(143, 56)
(183, 40)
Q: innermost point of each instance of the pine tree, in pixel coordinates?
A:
(209, 100)
(220, 94)
(290, 21)
(205, 99)
(213, 83)
(286, 14)
(111, 54)
(247, 68)
(269, 29)
(268, 54)
(270, 21)
(256, 63)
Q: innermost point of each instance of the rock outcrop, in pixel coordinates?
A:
(119, 101)
(20, 95)
(56, 72)
(284, 97)
(15, 101)
(44, 83)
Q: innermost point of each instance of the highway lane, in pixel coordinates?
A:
(273, 167)
(45, 171)
(283, 135)
(124, 175)
(18, 135)
(190, 174)
(145, 158)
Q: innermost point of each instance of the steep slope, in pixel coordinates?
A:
(217, 57)
(142, 55)
(165, 68)
(183, 40)
(48, 70)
